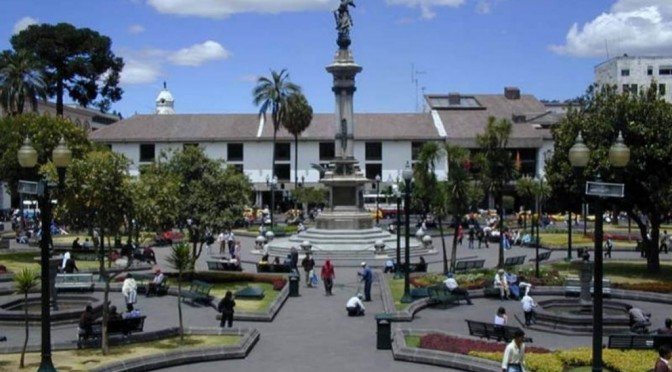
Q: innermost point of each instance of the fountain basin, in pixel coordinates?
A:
(70, 307)
(573, 316)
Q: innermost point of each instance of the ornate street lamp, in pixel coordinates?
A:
(619, 156)
(407, 175)
(397, 195)
(61, 156)
(377, 195)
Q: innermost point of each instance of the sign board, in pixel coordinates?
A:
(27, 187)
(605, 189)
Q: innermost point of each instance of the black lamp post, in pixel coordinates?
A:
(397, 195)
(540, 190)
(377, 195)
(61, 156)
(570, 222)
(619, 156)
(272, 182)
(407, 174)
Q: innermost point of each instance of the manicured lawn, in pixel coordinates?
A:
(219, 290)
(397, 287)
(412, 341)
(559, 241)
(16, 261)
(83, 360)
(626, 271)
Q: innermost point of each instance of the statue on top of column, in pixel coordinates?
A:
(344, 22)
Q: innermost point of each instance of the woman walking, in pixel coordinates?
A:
(328, 277)
(130, 291)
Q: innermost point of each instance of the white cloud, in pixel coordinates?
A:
(426, 6)
(635, 27)
(225, 8)
(249, 78)
(23, 24)
(140, 72)
(483, 7)
(136, 29)
(198, 54)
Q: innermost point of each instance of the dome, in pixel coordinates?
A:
(165, 101)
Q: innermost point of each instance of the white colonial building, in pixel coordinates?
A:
(631, 74)
(383, 142)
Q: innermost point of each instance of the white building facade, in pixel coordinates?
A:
(632, 74)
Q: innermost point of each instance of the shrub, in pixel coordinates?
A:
(464, 346)
(534, 362)
(613, 360)
(658, 287)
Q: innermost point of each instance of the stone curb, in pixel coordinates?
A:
(401, 351)
(268, 316)
(193, 355)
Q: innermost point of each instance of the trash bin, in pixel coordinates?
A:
(294, 284)
(384, 331)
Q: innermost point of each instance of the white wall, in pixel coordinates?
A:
(5, 198)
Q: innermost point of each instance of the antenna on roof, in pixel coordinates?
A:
(414, 80)
(164, 84)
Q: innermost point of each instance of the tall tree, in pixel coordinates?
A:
(180, 259)
(77, 60)
(644, 120)
(298, 118)
(211, 197)
(21, 82)
(97, 195)
(25, 280)
(156, 202)
(497, 167)
(426, 186)
(272, 94)
(461, 192)
(44, 132)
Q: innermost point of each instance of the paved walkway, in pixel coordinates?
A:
(312, 332)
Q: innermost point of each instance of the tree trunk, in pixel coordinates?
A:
(179, 305)
(653, 253)
(104, 342)
(453, 253)
(500, 260)
(443, 244)
(25, 342)
(59, 96)
(296, 161)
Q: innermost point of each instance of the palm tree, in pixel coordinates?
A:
(498, 167)
(272, 93)
(180, 260)
(460, 191)
(427, 186)
(25, 280)
(298, 117)
(21, 81)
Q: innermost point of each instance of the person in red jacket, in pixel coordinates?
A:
(328, 275)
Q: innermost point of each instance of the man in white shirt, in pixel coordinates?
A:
(528, 308)
(220, 240)
(514, 354)
(454, 288)
(355, 306)
(640, 321)
(501, 284)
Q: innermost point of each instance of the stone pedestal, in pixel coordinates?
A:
(586, 278)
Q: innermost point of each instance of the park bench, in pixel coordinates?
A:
(493, 332)
(218, 265)
(198, 291)
(514, 261)
(273, 268)
(573, 286)
(466, 265)
(439, 294)
(124, 327)
(541, 257)
(250, 293)
(631, 342)
(81, 282)
(143, 281)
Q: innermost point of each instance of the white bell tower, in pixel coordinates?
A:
(165, 102)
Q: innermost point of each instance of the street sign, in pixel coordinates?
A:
(27, 187)
(605, 189)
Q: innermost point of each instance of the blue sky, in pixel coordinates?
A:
(211, 51)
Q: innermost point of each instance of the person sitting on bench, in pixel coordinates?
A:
(113, 315)
(156, 283)
(668, 328)
(76, 245)
(85, 328)
(70, 266)
(501, 283)
(454, 288)
(355, 306)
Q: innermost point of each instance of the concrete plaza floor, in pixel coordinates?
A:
(312, 332)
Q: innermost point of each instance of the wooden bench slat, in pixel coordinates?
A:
(542, 257)
(493, 332)
(465, 265)
(514, 261)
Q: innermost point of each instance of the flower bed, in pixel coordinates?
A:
(657, 287)
(464, 346)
